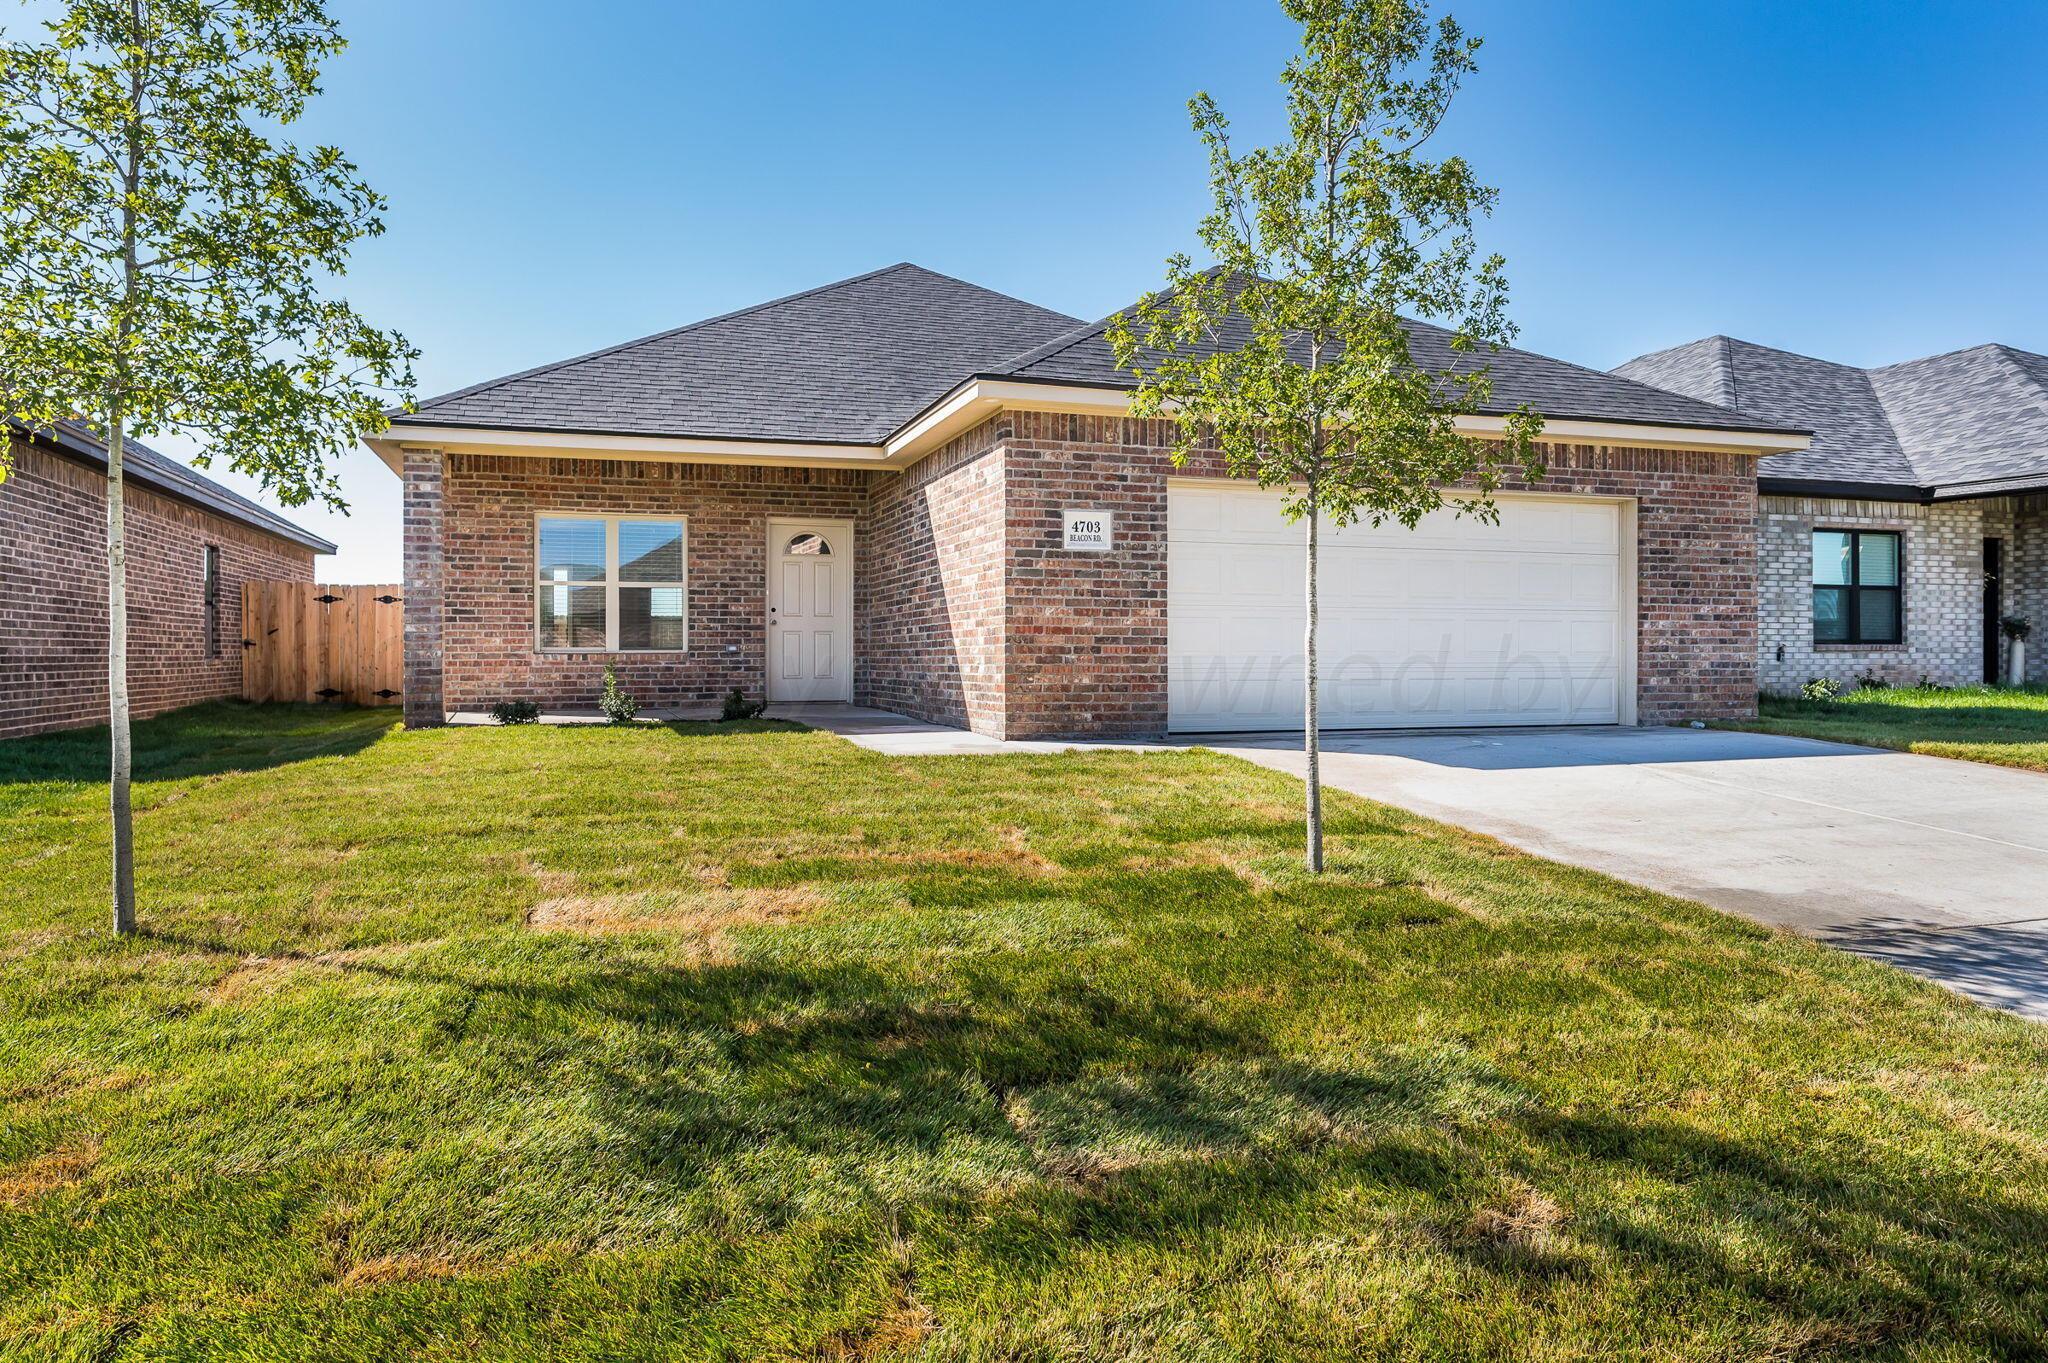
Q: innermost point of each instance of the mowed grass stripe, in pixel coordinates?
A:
(703, 1041)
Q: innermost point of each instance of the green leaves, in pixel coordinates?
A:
(163, 249)
(1291, 355)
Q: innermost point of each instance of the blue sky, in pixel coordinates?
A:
(1862, 181)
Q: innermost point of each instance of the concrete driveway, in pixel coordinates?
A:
(1936, 866)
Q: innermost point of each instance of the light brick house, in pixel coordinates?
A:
(905, 491)
(191, 545)
(1917, 519)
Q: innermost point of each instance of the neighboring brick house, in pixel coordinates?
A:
(191, 546)
(906, 491)
(1916, 521)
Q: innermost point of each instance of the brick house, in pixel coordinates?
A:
(191, 545)
(905, 491)
(1917, 519)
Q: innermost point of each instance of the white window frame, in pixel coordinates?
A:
(611, 583)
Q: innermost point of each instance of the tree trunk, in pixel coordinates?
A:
(117, 533)
(1311, 726)
(117, 685)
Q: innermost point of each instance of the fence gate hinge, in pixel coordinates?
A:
(327, 598)
(388, 599)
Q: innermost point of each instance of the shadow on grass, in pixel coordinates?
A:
(1040, 1119)
(201, 740)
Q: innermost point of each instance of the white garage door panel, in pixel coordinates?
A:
(1454, 623)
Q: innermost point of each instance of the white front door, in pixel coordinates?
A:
(810, 610)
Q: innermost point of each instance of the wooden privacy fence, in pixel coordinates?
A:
(307, 641)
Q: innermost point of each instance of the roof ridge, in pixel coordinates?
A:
(2027, 381)
(1728, 382)
(1066, 341)
(1950, 354)
(1059, 344)
(1603, 373)
(1673, 349)
(965, 284)
(1795, 354)
(488, 384)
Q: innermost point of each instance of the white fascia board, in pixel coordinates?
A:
(664, 449)
(974, 401)
(967, 406)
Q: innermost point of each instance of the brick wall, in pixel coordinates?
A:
(425, 578)
(53, 595)
(2026, 576)
(968, 609)
(1942, 549)
(934, 640)
(484, 510)
(1086, 647)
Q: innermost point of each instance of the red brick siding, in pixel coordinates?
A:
(934, 639)
(486, 511)
(1087, 633)
(53, 613)
(968, 610)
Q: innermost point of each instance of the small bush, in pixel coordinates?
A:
(618, 707)
(1820, 688)
(515, 712)
(2016, 627)
(1871, 681)
(738, 707)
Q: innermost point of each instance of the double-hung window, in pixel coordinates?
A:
(1856, 587)
(616, 584)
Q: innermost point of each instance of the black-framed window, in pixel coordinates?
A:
(1856, 587)
(210, 594)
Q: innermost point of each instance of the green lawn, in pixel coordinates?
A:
(1977, 723)
(666, 1042)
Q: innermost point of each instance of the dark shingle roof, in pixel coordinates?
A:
(165, 474)
(846, 363)
(1972, 416)
(852, 362)
(1555, 388)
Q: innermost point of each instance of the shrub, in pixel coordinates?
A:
(515, 712)
(1871, 681)
(2016, 627)
(1820, 688)
(738, 707)
(618, 707)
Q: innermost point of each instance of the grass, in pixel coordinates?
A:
(2008, 727)
(673, 1042)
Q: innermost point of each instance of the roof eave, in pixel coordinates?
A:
(972, 401)
(70, 443)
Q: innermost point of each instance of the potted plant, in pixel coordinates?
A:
(2016, 628)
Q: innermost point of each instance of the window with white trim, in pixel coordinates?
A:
(613, 584)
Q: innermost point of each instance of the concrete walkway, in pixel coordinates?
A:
(1938, 867)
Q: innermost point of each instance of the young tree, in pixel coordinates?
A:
(1290, 355)
(165, 260)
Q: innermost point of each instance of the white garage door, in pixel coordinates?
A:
(1454, 623)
